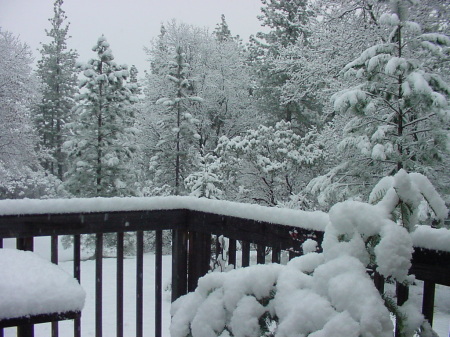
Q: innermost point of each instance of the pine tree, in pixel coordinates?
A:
(102, 143)
(179, 120)
(399, 108)
(289, 22)
(222, 31)
(56, 70)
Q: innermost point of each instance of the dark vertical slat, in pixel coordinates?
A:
(232, 252)
(179, 263)
(429, 289)
(139, 282)
(206, 248)
(292, 254)
(193, 260)
(119, 284)
(25, 243)
(54, 259)
(260, 254)
(158, 283)
(77, 275)
(218, 247)
(245, 253)
(402, 292)
(276, 254)
(26, 330)
(378, 280)
(99, 285)
(1, 246)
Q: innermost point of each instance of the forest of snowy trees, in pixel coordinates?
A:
(333, 96)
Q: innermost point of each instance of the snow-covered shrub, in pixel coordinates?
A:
(320, 294)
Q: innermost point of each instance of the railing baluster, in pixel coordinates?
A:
(98, 284)
(139, 282)
(276, 253)
(54, 259)
(26, 330)
(77, 275)
(429, 289)
(1, 246)
(260, 254)
(158, 283)
(232, 252)
(245, 253)
(402, 292)
(119, 289)
(378, 279)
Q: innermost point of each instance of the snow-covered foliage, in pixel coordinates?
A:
(208, 181)
(315, 294)
(268, 160)
(216, 100)
(399, 107)
(409, 198)
(19, 159)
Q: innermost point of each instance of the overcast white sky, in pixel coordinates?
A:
(127, 24)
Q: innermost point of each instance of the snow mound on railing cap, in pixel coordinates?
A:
(30, 285)
(431, 238)
(307, 220)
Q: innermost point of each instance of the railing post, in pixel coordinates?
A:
(179, 263)
(199, 257)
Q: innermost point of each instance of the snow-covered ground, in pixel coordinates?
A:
(441, 320)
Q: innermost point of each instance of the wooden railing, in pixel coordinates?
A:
(191, 252)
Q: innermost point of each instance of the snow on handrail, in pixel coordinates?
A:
(316, 220)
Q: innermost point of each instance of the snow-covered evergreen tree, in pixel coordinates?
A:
(289, 23)
(102, 142)
(270, 164)
(20, 172)
(179, 124)
(57, 72)
(399, 107)
(208, 180)
(218, 73)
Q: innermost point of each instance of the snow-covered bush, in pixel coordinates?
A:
(320, 294)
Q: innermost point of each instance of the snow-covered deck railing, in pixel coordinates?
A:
(192, 222)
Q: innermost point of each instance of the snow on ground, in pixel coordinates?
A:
(441, 317)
